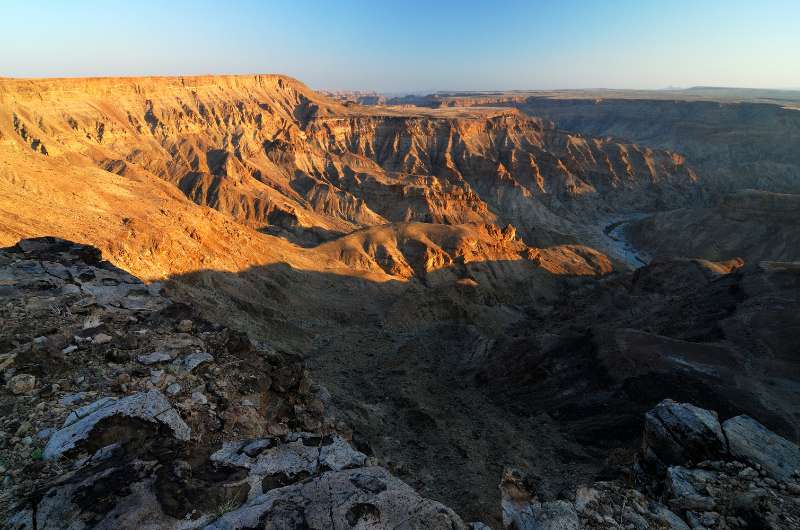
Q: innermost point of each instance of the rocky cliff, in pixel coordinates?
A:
(125, 409)
(733, 145)
(734, 138)
(273, 154)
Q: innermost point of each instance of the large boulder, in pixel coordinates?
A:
(680, 433)
(752, 442)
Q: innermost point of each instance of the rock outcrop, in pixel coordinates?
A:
(727, 489)
(679, 433)
(82, 424)
(198, 433)
(751, 442)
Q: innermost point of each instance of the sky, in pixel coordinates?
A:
(413, 46)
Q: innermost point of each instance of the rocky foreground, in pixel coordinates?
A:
(124, 409)
(120, 410)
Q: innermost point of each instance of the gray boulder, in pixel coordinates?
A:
(680, 433)
(687, 489)
(151, 407)
(752, 442)
(279, 461)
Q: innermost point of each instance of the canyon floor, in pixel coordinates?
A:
(454, 291)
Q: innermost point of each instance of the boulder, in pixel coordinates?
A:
(686, 489)
(680, 433)
(193, 360)
(22, 384)
(154, 357)
(752, 442)
(151, 407)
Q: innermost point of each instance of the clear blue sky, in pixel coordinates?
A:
(414, 45)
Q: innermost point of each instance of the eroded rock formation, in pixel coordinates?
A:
(273, 154)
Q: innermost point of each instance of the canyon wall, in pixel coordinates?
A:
(276, 156)
(733, 145)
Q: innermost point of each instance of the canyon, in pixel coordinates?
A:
(431, 291)
(736, 138)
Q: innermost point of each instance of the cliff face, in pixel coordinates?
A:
(269, 152)
(733, 145)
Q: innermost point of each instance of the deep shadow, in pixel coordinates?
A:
(489, 364)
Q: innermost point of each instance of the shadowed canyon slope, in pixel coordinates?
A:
(753, 225)
(442, 272)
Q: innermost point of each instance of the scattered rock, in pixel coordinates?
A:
(101, 338)
(193, 360)
(156, 377)
(22, 384)
(72, 399)
(154, 358)
(198, 398)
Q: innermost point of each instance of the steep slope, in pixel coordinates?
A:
(274, 155)
(735, 138)
(142, 223)
(753, 225)
(223, 432)
(734, 145)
